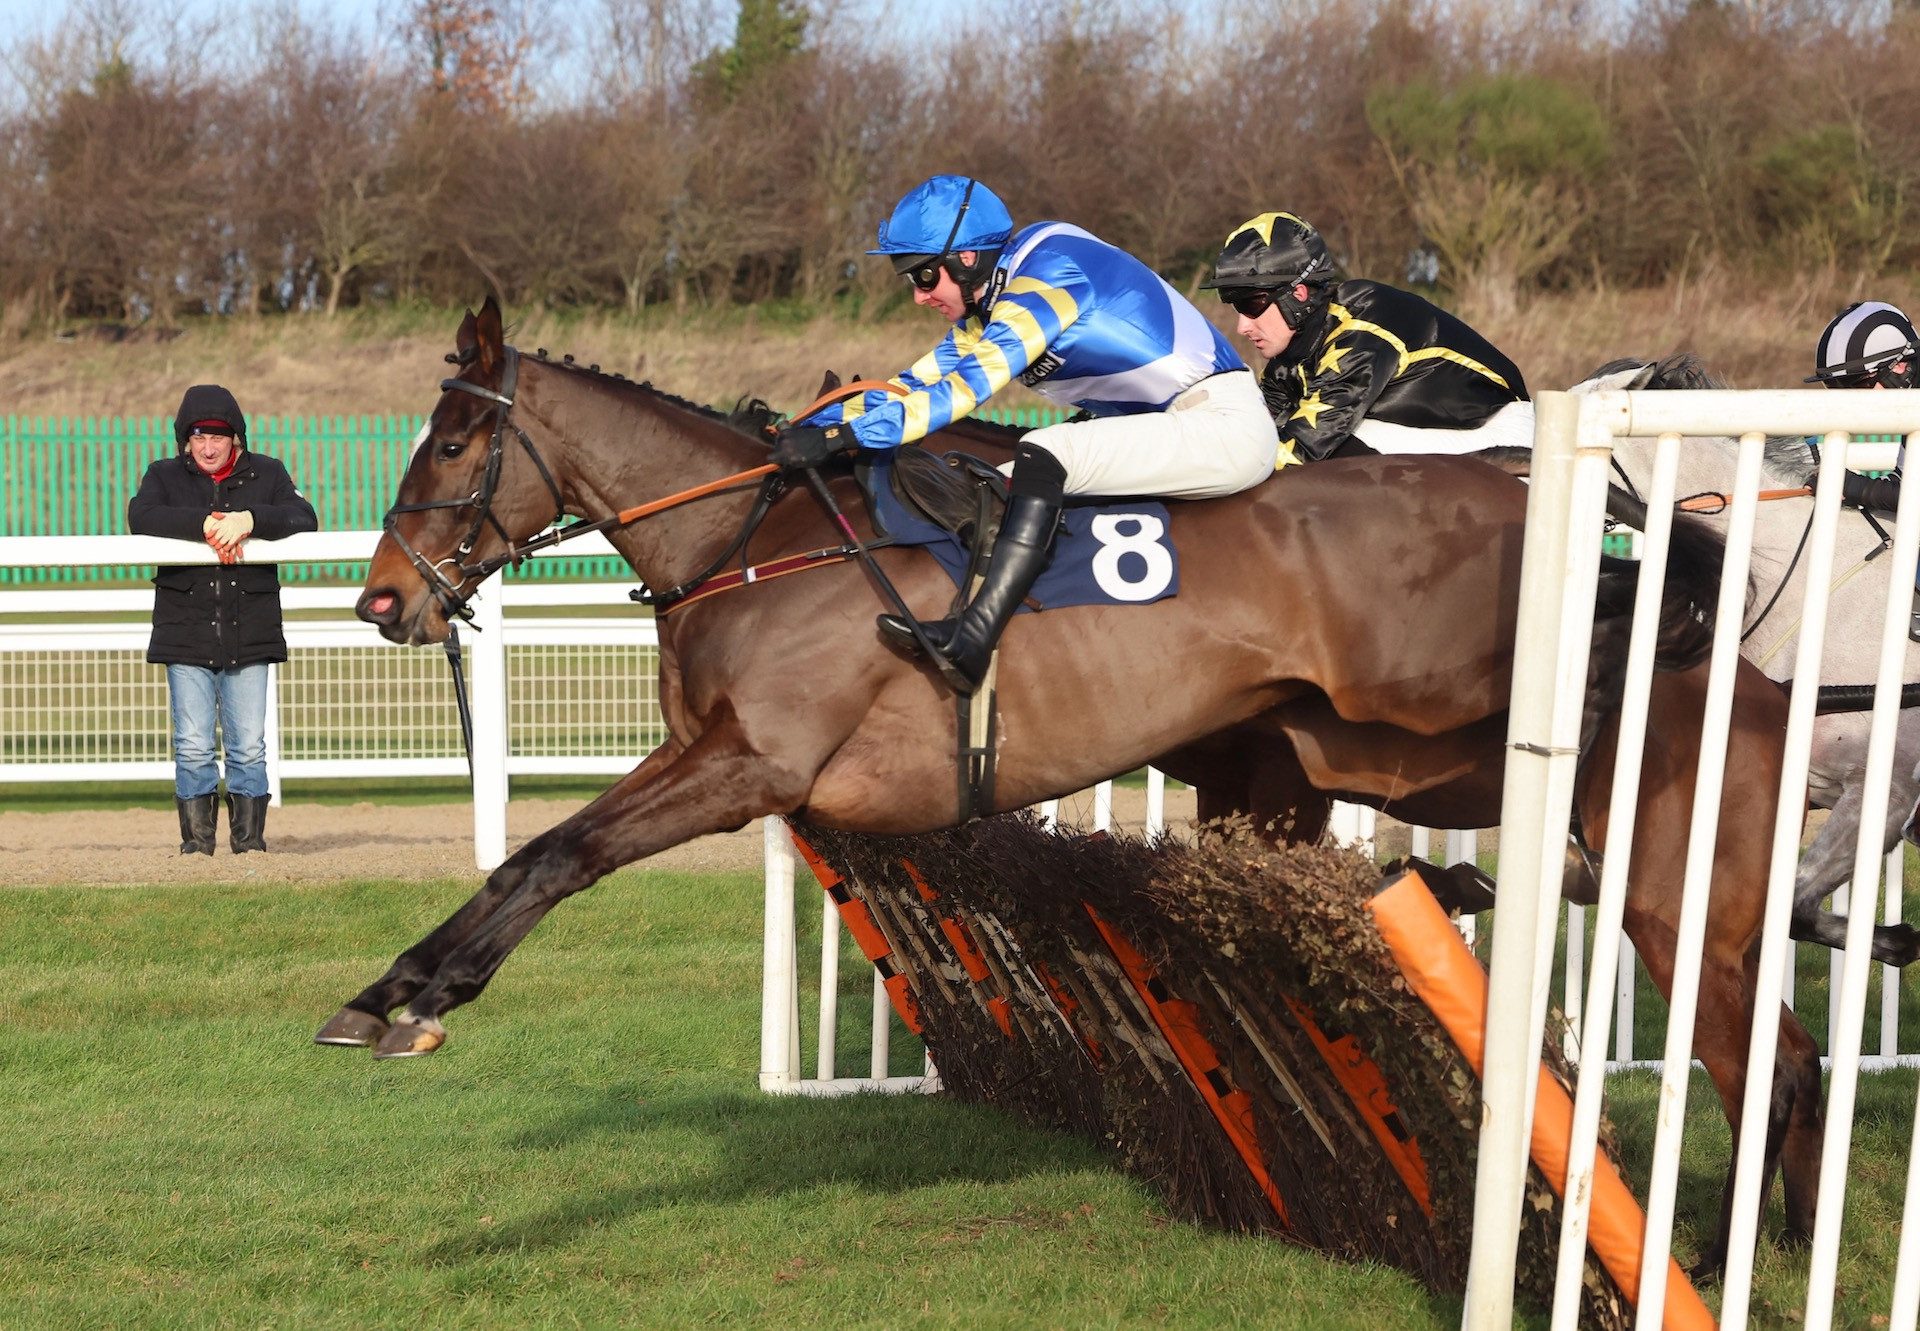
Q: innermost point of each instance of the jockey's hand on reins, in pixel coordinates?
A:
(799, 447)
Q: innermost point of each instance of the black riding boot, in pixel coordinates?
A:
(1019, 553)
(247, 820)
(199, 821)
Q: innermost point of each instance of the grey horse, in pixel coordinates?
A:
(1771, 633)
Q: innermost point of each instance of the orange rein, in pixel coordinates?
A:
(840, 394)
(1713, 502)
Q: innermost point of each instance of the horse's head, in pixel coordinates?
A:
(474, 489)
(1680, 370)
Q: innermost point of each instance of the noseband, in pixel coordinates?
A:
(446, 590)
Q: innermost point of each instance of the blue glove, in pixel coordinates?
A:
(802, 446)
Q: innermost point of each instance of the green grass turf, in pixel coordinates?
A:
(589, 1149)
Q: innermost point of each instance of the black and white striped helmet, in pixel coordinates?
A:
(1862, 346)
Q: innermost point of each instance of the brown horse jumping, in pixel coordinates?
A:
(1358, 614)
(1285, 768)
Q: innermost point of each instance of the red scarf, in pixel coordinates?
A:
(233, 460)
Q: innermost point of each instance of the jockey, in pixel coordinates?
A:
(1172, 409)
(1356, 367)
(1870, 344)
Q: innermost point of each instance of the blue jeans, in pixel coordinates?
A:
(237, 698)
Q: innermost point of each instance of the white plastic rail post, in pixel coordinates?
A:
(1610, 957)
(486, 648)
(273, 736)
(1512, 1045)
(1866, 868)
(1716, 725)
(829, 1032)
(779, 1008)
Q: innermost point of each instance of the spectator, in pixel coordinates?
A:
(217, 626)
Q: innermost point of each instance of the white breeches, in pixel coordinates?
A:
(1214, 439)
(1509, 427)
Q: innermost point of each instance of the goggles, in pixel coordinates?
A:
(925, 276)
(1249, 302)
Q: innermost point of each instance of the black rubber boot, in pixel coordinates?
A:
(247, 822)
(199, 822)
(1018, 556)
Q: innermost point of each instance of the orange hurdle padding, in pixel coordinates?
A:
(1449, 980)
(859, 921)
(1179, 1023)
(1366, 1086)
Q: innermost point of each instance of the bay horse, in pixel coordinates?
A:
(1285, 768)
(1295, 619)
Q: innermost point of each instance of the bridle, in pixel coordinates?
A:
(446, 590)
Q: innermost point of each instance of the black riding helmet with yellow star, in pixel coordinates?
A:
(1272, 254)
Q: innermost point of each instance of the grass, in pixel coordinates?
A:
(387, 359)
(588, 1151)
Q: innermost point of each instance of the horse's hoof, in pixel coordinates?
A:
(350, 1026)
(1708, 1270)
(408, 1039)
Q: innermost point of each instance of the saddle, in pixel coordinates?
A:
(956, 492)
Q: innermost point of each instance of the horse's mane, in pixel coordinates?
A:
(1784, 456)
(751, 417)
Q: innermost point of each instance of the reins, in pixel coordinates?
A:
(446, 590)
(1713, 502)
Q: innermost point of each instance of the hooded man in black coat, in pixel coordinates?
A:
(216, 627)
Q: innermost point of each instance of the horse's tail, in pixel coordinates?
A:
(1688, 608)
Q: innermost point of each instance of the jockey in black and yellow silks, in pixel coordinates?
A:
(1360, 366)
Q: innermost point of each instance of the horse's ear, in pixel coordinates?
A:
(828, 382)
(466, 342)
(490, 336)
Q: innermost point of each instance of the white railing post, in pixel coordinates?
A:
(486, 651)
(1622, 813)
(1852, 1002)
(828, 1034)
(779, 1010)
(1896, 873)
(273, 736)
(1156, 803)
(1542, 742)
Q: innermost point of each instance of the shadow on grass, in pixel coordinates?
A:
(768, 1147)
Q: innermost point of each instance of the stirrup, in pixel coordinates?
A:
(911, 635)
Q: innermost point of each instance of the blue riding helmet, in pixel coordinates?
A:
(944, 215)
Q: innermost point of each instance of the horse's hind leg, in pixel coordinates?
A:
(1827, 864)
(363, 1021)
(1721, 1032)
(718, 784)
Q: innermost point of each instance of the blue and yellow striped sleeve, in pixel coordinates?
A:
(969, 366)
(920, 374)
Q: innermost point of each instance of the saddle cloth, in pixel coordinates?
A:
(1116, 552)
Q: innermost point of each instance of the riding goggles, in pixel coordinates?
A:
(924, 276)
(1249, 302)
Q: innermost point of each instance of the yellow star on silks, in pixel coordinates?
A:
(1287, 457)
(1310, 407)
(1331, 361)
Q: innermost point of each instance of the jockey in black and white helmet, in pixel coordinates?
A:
(1870, 344)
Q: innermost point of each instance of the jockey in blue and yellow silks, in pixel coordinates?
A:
(1174, 411)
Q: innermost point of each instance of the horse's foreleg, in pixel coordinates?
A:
(718, 784)
(363, 1021)
(1801, 1143)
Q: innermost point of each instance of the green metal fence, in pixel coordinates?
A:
(73, 477)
